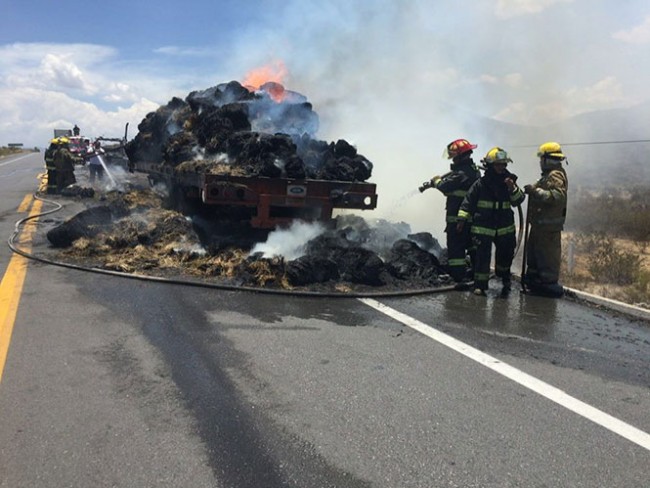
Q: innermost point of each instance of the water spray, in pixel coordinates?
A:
(104, 165)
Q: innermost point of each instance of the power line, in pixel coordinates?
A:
(635, 141)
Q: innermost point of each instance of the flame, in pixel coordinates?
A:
(272, 75)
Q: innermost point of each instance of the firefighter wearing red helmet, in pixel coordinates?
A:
(454, 186)
(487, 207)
(547, 206)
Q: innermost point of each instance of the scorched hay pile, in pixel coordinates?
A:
(229, 129)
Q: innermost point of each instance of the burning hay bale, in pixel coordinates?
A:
(265, 132)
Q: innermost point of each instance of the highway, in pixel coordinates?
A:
(114, 382)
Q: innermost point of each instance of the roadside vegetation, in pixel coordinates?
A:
(607, 243)
(8, 151)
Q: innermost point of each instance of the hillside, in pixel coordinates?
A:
(591, 163)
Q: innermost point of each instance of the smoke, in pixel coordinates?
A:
(378, 76)
(290, 242)
(400, 80)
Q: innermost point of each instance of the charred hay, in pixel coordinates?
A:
(245, 132)
(131, 233)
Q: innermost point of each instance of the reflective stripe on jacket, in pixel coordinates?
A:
(548, 200)
(455, 184)
(489, 204)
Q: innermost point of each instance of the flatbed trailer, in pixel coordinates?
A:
(264, 202)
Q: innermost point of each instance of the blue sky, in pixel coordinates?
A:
(399, 78)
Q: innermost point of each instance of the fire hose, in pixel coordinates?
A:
(525, 256)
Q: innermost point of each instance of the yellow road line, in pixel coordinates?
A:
(11, 286)
(24, 205)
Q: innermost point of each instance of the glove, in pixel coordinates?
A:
(460, 225)
(528, 189)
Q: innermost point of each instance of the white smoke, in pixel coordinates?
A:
(401, 80)
(290, 242)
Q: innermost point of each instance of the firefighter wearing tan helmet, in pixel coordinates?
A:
(487, 207)
(546, 213)
(454, 186)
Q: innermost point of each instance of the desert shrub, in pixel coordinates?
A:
(619, 212)
(607, 264)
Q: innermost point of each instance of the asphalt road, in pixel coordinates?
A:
(111, 382)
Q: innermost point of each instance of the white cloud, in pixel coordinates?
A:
(511, 80)
(604, 94)
(506, 9)
(32, 54)
(48, 86)
(30, 115)
(60, 72)
(636, 35)
(184, 51)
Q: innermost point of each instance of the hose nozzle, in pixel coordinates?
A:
(425, 186)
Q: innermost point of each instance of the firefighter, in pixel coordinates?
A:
(49, 165)
(547, 206)
(487, 207)
(95, 167)
(64, 162)
(454, 186)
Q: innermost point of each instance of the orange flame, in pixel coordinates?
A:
(275, 73)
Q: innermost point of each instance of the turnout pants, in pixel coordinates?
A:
(51, 180)
(459, 244)
(503, 255)
(544, 256)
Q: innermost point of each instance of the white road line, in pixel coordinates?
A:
(556, 395)
(14, 160)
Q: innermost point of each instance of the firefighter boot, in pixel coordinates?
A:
(507, 285)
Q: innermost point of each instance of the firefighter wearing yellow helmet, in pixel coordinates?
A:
(48, 156)
(454, 185)
(547, 206)
(488, 207)
(64, 162)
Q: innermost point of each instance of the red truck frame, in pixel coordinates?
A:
(269, 202)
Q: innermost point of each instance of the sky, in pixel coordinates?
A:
(399, 79)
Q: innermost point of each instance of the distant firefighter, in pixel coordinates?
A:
(50, 166)
(95, 167)
(64, 162)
